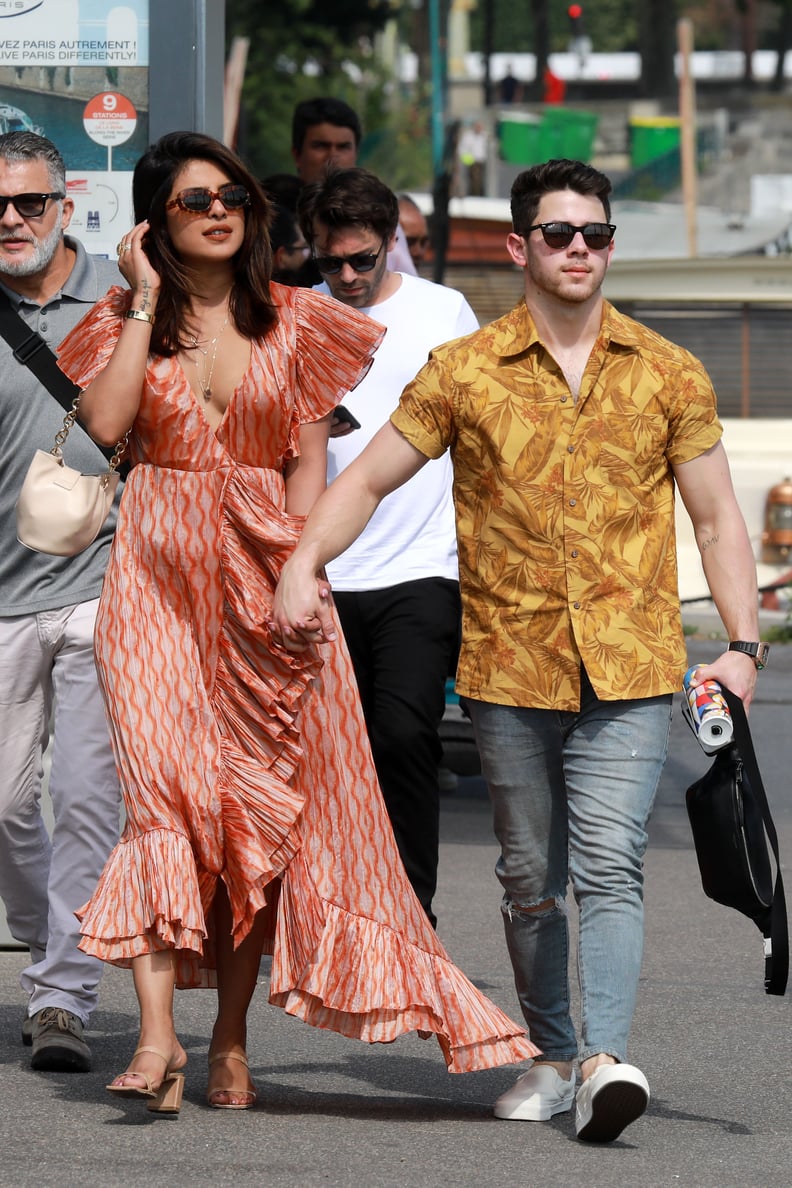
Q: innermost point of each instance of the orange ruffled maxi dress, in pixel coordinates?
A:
(239, 760)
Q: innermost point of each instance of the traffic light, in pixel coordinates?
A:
(575, 14)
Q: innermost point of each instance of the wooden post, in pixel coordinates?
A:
(234, 77)
(687, 146)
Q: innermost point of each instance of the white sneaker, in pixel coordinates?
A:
(612, 1097)
(537, 1095)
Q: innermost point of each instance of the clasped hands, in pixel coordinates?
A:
(302, 614)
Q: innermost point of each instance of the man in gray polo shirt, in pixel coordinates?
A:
(47, 608)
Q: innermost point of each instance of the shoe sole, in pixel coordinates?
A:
(57, 1058)
(534, 1114)
(614, 1107)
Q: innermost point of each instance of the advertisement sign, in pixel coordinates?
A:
(103, 79)
(76, 71)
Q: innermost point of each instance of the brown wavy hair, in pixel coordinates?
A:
(250, 304)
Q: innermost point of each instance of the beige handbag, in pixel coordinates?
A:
(61, 510)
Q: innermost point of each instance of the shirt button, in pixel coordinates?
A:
(572, 502)
(576, 605)
(43, 325)
(563, 399)
(570, 449)
(574, 552)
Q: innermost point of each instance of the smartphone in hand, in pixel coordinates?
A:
(343, 422)
(345, 417)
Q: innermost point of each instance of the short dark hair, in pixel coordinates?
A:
(29, 146)
(349, 198)
(283, 189)
(250, 303)
(324, 109)
(549, 177)
(283, 229)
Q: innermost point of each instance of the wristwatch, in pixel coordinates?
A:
(759, 651)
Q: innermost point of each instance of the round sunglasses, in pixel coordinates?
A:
(199, 199)
(559, 235)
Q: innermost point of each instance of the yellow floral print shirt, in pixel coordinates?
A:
(565, 509)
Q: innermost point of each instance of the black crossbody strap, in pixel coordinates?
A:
(775, 927)
(32, 352)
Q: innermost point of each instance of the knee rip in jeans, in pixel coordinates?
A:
(545, 907)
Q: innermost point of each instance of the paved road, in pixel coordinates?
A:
(333, 1113)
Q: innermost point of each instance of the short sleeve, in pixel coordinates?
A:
(87, 348)
(335, 345)
(424, 414)
(694, 425)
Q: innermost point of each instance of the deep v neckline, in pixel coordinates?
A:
(198, 399)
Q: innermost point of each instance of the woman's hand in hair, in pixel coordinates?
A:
(136, 269)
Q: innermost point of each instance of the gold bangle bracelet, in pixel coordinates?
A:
(140, 315)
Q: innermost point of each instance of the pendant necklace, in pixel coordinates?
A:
(205, 380)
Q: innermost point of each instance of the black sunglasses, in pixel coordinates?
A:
(199, 199)
(358, 262)
(29, 206)
(559, 235)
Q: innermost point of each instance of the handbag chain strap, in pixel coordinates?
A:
(68, 422)
(31, 351)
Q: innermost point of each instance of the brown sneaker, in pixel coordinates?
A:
(58, 1044)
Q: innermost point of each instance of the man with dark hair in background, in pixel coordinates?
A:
(326, 135)
(289, 248)
(396, 589)
(416, 231)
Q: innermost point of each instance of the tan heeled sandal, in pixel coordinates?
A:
(249, 1095)
(166, 1098)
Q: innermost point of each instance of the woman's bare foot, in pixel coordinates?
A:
(150, 1064)
(229, 1086)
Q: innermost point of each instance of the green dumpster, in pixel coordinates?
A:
(519, 138)
(652, 137)
(567, 133)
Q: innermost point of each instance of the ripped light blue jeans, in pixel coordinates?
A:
(571, 795)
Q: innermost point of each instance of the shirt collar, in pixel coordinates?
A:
(80, 285)
(517, 331)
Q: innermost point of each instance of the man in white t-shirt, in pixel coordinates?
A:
(396, 588)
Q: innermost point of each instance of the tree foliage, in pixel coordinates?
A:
(298, 49)
(611, 25)
(302, 48)
(618, 25)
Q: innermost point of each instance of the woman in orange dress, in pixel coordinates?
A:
(254, 820)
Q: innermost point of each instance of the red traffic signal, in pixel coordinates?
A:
(575, 12)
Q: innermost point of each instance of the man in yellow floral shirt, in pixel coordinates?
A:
(568, 426)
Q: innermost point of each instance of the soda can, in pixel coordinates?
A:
(707, 713)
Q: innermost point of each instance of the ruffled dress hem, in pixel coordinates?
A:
(332, 979)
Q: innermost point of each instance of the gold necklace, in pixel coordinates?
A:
(205, 380)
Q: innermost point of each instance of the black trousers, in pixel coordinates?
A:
(403, 641)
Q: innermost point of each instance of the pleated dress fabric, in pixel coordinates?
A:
(239, 760)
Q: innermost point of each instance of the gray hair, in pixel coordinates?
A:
(29, 146)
